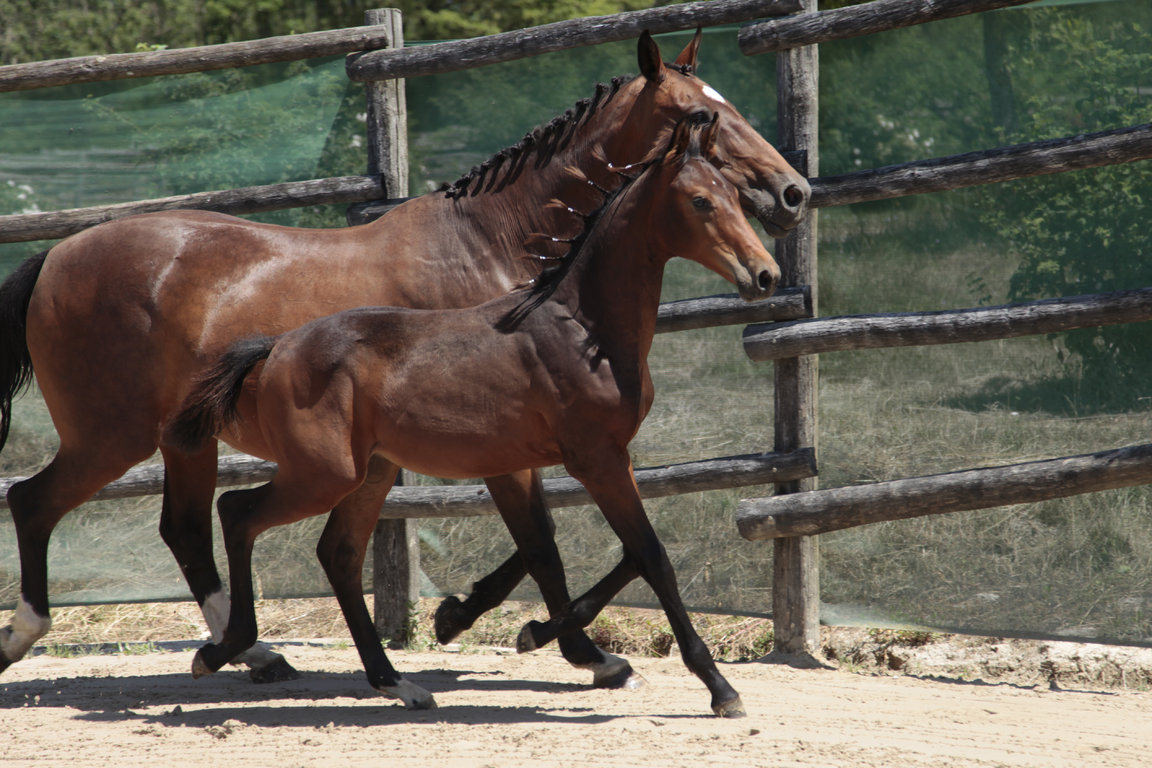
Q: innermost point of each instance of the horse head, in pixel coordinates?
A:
(703, 220)
(665, 94)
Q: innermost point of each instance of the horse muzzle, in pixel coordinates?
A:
(778, 207)
(758, 281)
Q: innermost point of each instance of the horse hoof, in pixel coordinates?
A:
(413, 696)
(200, 667)
(278, 671)
(526, 640)
(623, 679)
(449, 620)
(732, 708)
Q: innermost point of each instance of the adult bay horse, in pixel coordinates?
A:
(117, 321)
(552, 373)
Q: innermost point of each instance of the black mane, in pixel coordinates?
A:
(546, 283)
(546, 140)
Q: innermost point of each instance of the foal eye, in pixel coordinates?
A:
(701, 203)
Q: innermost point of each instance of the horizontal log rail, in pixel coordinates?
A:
(780, 341)
(462, 500)
(730, 309)
(455, 55)
(1037, 158)
(856, 21)
(832, 509)
(49, 225)
(935, 175)
(178, 61)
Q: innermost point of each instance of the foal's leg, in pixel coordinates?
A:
(186, 527)
(580, 612)
(454, 616)
(607, 475)
(341, 551)
(520, 499)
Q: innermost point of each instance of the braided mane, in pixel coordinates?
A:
(546, 140)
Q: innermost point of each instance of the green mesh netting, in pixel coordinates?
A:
(1080, 567)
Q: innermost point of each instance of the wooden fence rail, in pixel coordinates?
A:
(833, 509)
(179, 61)
(908, 329)
(462, 500)
(49, 225)
(857, 20)
(1036, 158)
(573, 33)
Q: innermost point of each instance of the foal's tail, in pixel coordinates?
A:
(211, 405)
(15, 360)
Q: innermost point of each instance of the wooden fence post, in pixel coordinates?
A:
(796, 564)
(395, 547)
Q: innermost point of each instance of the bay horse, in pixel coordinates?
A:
(117, 322)
(555, 372)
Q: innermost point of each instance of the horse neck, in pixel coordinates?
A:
(614, 291)
(497, 218)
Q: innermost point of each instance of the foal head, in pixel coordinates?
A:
(701, 219)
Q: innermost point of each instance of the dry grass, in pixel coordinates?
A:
(628, 631)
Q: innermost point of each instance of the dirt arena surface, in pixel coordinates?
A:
(500, 709)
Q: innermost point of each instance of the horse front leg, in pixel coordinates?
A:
(186, 527)
(341, 551)
(454, 616)
(520, 500)
(607, 475)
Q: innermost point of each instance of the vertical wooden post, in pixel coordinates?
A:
(796, 569)
(395, 546)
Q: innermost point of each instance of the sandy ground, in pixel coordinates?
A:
(500, 709)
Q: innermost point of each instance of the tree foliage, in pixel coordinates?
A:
(1083, 232)
(35, 30)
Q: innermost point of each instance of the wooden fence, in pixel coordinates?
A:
(798, 510)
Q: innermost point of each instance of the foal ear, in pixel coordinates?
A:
(687, 57)
(708, 137)
(648, 56)
(681, 139)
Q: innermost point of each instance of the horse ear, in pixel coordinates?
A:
(687, 57)
(648, 55)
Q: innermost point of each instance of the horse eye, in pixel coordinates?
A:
(701, 203)
(703, 117)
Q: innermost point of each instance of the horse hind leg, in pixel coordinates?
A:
(38, 504)
(341, 552)
(186, 527)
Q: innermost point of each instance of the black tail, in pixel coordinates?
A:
(15, 361)
(211, 405)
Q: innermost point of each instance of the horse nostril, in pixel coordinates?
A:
(794, 196)
(766, 280)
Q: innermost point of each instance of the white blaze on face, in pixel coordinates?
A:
(712, 93)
